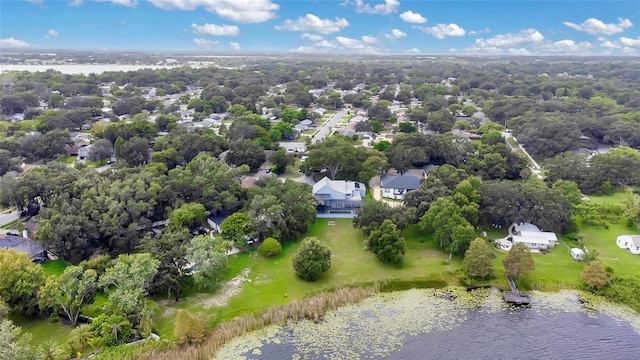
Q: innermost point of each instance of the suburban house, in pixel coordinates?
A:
(533, 237)
(215, 222)
(293, 147)
(396, 186)
(629, 242)
(549, 236)
(34, 249)
(83, 152)
(338, 194)
(533, 243)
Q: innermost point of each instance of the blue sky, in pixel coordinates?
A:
(318, 26)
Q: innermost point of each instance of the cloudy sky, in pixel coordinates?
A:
(513, 27)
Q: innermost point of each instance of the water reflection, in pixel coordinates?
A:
(452, 324)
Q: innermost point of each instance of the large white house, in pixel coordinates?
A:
(396, 186)
(629, 242)
(532, 242)
(549, 236)
(339, 194)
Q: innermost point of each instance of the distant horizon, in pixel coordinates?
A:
(327, 27)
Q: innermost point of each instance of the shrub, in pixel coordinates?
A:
(188, 329)
(270, 247)
(312, 260)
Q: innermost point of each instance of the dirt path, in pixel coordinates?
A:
(228, 290)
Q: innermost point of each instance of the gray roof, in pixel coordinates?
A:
(405, 181)
(20, 244)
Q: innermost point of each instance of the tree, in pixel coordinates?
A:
(333, 154)
(234, 228)
(21, 279)
(68, 292)
(270, 247)
(280, 160)
(188, 329)
(131, 276)
(477, 260)
(387, 243)
(102, 149)
(13, 344)
(134, 151)
(209, 256)
(190, 216)
(312, 260)
(245, 152)
(81, 335)
(50, 350)
(518, 261)
(595, 276)
(407, 127)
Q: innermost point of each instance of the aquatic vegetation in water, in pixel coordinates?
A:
(378, 325)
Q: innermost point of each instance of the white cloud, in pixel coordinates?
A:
(595, 26)
(311, 22)
(367, 39)
(12, 43)
(385, 8)
(242, 11)
(523, 37)
(37, 2)
(629, 42)
(312, 37)
(75, 2)
(206, 43)
(51, 33)
(127, 3)
(215, 30)
(235, 46)
(609, 44)
(414, 51)
(351, 43)
(477, 32)
(520, 51)
(396, 34)
(411, 17)
(307, 50)
(566, 46)
(441, 31)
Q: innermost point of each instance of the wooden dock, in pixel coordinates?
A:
(514, 296)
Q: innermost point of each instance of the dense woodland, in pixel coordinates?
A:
(165, 171)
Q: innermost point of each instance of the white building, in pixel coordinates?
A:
(629, 242)
(549, 236)
(577, 254)
(532, 242)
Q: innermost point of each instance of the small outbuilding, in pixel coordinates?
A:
(577, 254)
(629, 242)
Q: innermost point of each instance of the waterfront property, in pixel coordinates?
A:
(629, 242)
(338, 195)
(533, 237)
(396, 186)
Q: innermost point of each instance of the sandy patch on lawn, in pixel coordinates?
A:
(228, 290)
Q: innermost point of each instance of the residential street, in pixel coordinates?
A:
(328, 126)
(6, 218)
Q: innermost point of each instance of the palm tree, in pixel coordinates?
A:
(50, 350)
(81, 335)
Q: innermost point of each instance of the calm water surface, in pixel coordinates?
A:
(423, 324)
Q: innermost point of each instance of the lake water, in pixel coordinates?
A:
(80, 68)
(434, 324)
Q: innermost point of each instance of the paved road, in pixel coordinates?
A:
(8, 217)
(328, 126)
(535, 169)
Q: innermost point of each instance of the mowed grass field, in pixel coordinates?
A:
(273, 282)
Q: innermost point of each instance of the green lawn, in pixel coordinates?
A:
(273, 281)
(54, 267)
(42, 330)
(617, 197)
